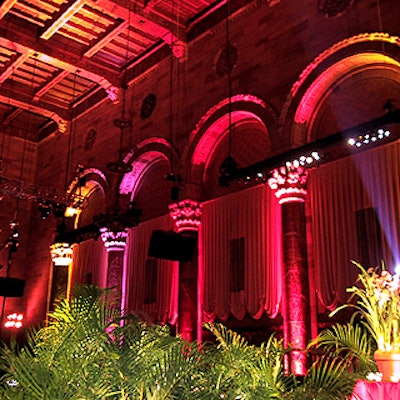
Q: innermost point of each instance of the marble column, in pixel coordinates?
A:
(289, 184)
(186, 215)
(115, 243)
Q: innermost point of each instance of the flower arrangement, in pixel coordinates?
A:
(378, 303)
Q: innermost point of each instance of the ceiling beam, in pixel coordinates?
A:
(13, 114)
(21, 37)
(161, 27)
(36, 109)
(106, 38)
(6, 6)
(50, 84)
(15, 63)
(66, 12)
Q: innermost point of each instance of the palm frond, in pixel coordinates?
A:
(351, 341)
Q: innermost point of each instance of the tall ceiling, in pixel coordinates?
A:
(58, 57)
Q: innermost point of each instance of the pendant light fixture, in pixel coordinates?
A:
(229, 166)
(61, 251)
(177, 53)
(114, 223)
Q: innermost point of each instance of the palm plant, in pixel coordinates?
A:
(345, 354)
(242, 371)
(88, 351)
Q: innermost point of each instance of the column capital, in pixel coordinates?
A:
(61, 253)
(186, 214)
(113, 241)
(289, 183)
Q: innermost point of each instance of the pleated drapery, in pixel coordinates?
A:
(337, 191)
(90, 263)
(165, 277)
(252, 214)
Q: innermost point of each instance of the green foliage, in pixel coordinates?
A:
(85, 352)
(378, 303)
(351, 341)
(327, 379)
(88, 350)
(242, 371)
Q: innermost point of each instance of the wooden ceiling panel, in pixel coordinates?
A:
(57, 52)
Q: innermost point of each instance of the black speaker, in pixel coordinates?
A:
(11, 287)
(171, 245)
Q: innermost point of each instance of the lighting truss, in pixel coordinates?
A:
(41, 194)
(326, 149)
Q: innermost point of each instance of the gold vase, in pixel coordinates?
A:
(388, 365)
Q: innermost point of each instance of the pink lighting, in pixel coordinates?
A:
(289, 183)
(186, 214)
(14, 320)
(113, 241)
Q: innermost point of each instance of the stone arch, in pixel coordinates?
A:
(365, 56)
(93, 194)
(153, 158)
(248, 113)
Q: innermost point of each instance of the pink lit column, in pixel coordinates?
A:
(115, 243)
(289, 185)
(187, 214)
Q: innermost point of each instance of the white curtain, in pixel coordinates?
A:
(336, 191)
(89, 263)
(255, 215)
(164, 309)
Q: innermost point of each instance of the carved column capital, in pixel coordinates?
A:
(113, 241)
(289, 184)
(186, 214)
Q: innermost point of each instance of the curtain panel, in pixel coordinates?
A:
(159, 284)
(252, 214)
(89, 264)
(337, 193)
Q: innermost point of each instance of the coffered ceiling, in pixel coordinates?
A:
(58, 57)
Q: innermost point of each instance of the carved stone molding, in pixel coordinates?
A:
(289, 184)
(114, 241)
(186, 214)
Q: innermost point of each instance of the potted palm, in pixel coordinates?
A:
(377, 301)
